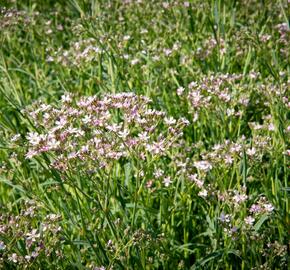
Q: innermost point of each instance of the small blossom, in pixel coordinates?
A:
(158, 173)
(271, 127)
(149, 184)
(53, 143)
(15, 138)
(268, 207)
(87, 119)
(169, 121)
(143, 136)
(123, 134)
(249, 220)
(33, 138)
(66, 98)
(225, 218)
(251, 152)
(135, 61)
(2, 245)
(167, 181)
(255, 208)
(240, 198)
(13, 257)
(203, 193)
(203, 165)
(230, 112)
(180, 91)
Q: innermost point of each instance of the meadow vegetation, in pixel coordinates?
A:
(139, 134)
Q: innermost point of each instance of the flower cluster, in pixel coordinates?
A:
(96, 131)
(228, 152)
(284, 37)
(37, 240)
(80, 52)
(209, 46)
(226, 90)
(11, 18)
(232, 221)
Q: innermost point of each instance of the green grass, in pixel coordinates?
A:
(216, 196)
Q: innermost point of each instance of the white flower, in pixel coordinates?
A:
(13, 258)
(72, 155)
(236, 148)
(49, 59)
(2, 245)
(271, 127)
(123, 134)
(239, 198)
(169, 121)
(167, 52)
(194, 178)
(61, 123)
(15, 138)
(100, 268)
(165, 5)
(143, 136)
(230, 112)
(180, 91)
(53, 143)
(143, 31)
(33, 235)
(257, 126)
(167, 181)
(27, 257)
(85, 149)
(114, 127)
(268, 207)
(228, 159)
(249, 220)
(66, 98)
(184, 121)
(158, 173)
(156, 148)
(156, 58)
(203, 193)
(217, 147)
(134, 62)
(34, 138)
(225, 218)
(87, 119)
(225, 96)
(192, 85)
(251, 152)
(203, 165)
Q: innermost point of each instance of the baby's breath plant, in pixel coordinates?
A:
(142, 134)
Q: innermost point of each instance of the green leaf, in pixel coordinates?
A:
(9, 183)
(208, 258)
(260, 222)
(128, 173)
